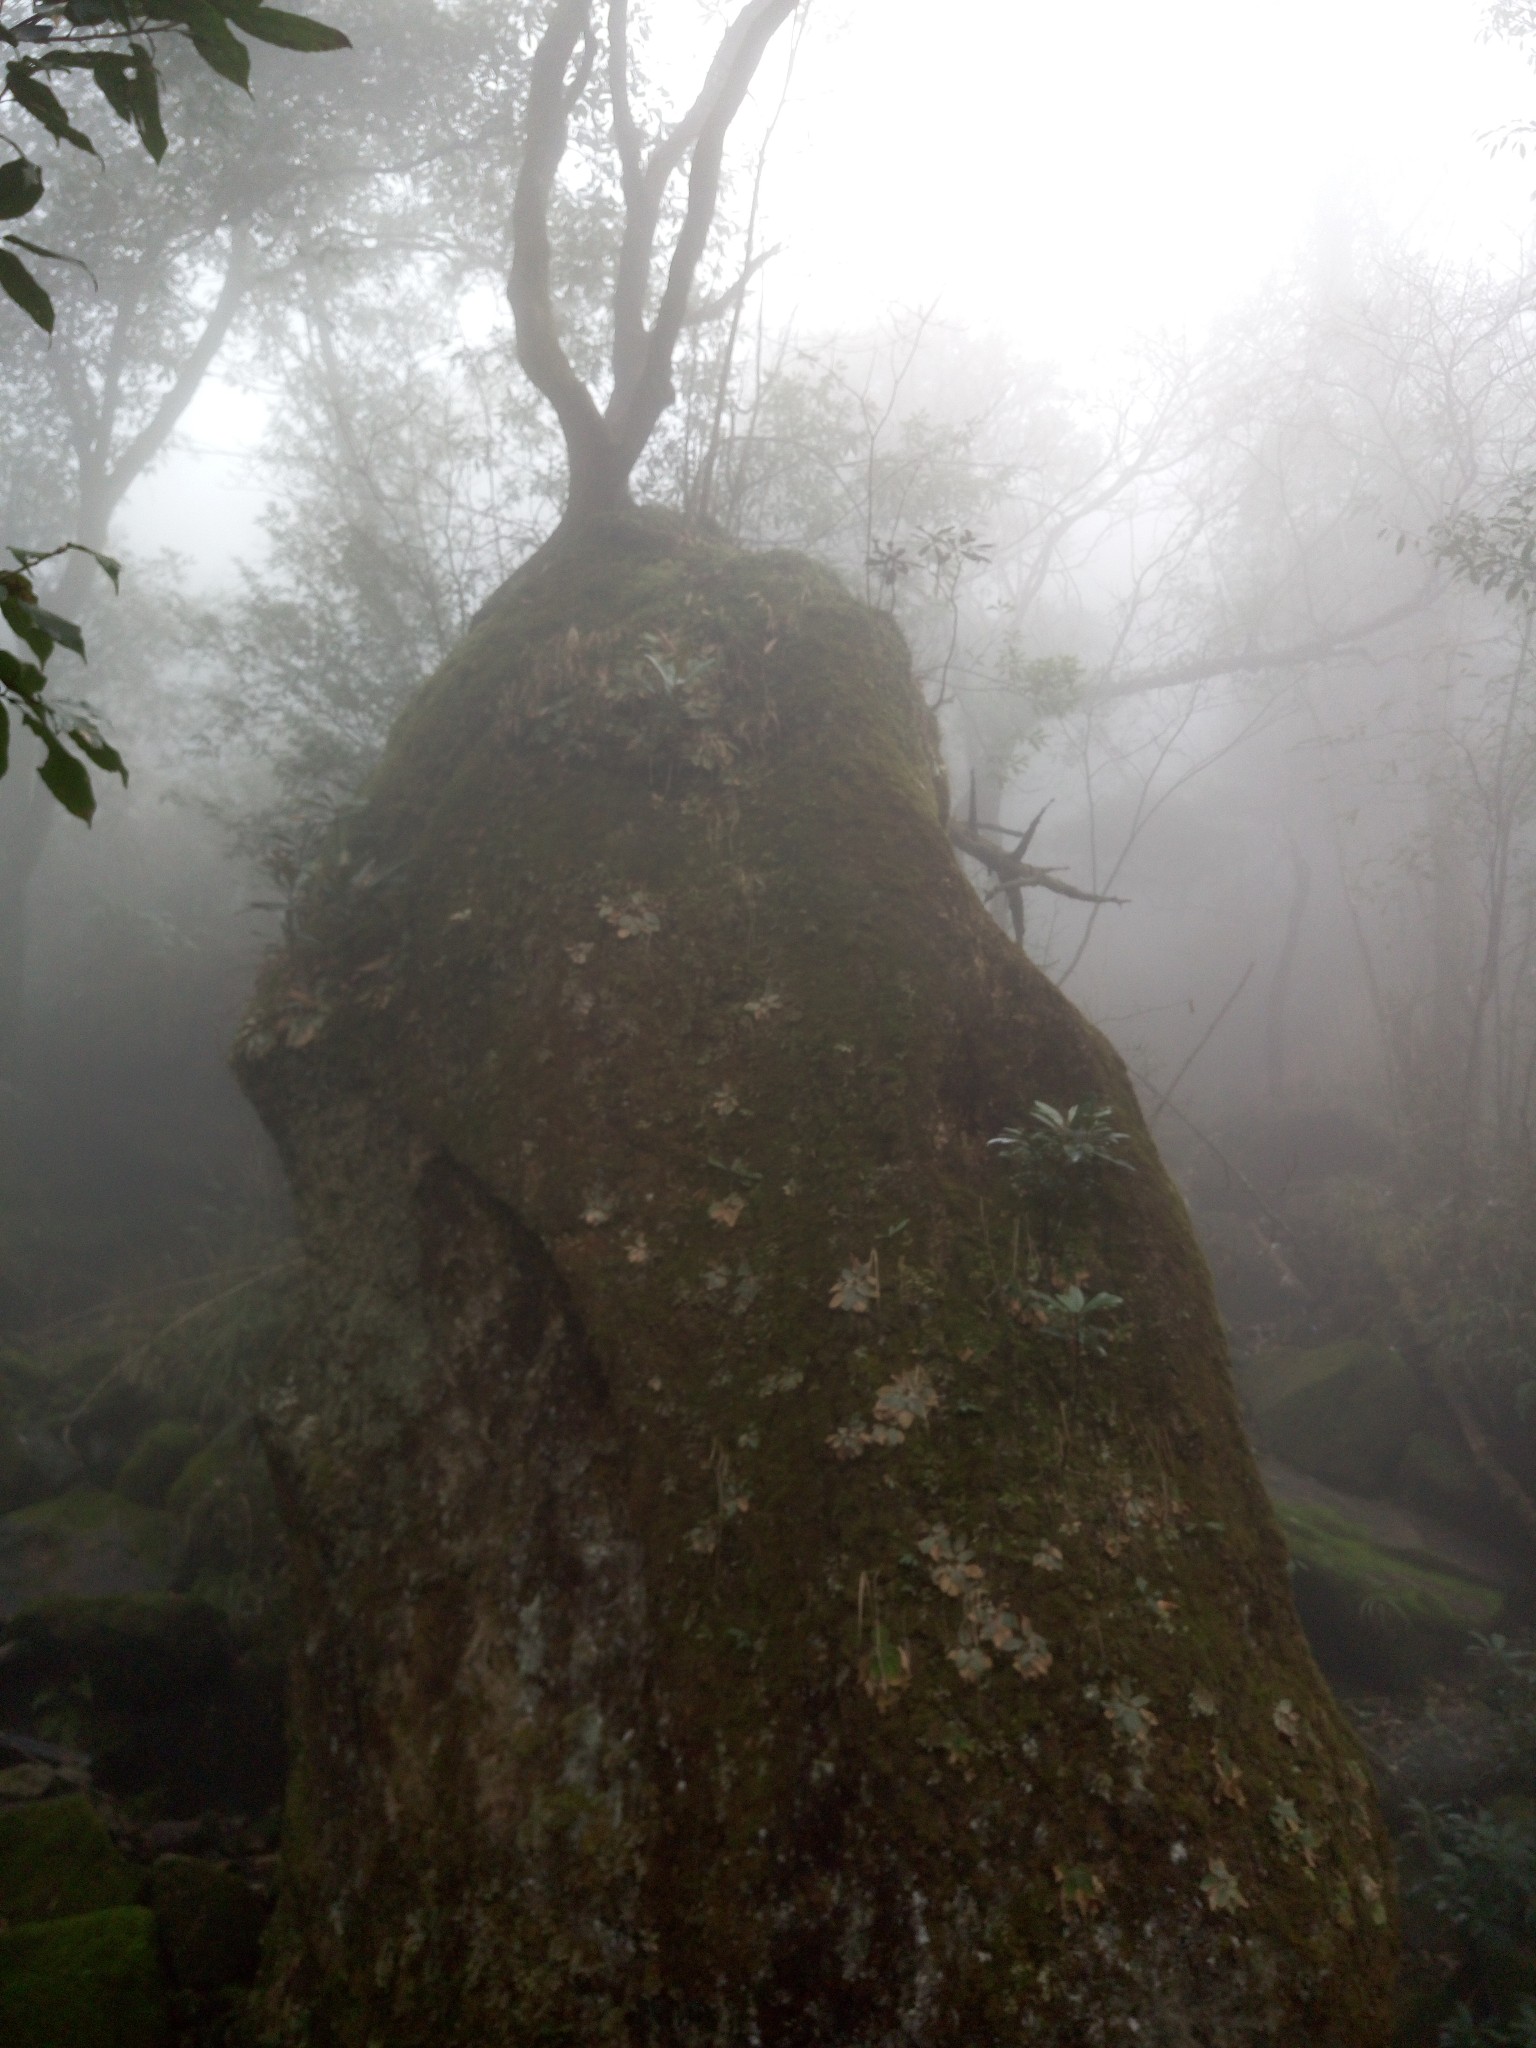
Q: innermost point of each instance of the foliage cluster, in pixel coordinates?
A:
(115, 46)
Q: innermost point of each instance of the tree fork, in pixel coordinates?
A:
(604, 444)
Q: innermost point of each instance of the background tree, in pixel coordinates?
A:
(603, 444)
(119, 47)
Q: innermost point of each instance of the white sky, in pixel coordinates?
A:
(1066, 172)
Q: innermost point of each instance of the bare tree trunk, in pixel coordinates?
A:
(604, 444)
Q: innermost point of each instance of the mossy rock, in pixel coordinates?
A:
(157, 1461)
(85, 1542)
(1441, 1478)
(174, 1709)
(210, 1923)
(1341, 1412)
(93, 1981)
(114, 1417)
(723, 1613)
(136, 1653)
(232, 1550)
(57, 1859)
(1376, 1617)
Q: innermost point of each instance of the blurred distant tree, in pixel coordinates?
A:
(117, 46)
(416, 467)
(604, 442)
(330, 171)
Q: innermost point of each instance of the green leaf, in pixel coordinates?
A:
(92, 13)
(212, 39)
(64, 631)
(109, 565)
(277, 25)
(144, 102)
(43, 103)
(53, 255)
(18, 284)
(227, 55)
(21, 187)
(110, 69)
(21, 677)
(287, 31)
(96, 749)
(22, 618)
(65, 779)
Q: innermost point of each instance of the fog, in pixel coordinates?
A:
(1168, 375)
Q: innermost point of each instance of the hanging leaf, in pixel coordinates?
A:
(65, 779)
(21, 187)
(98, 752)
(43, 104)
(19, 285)
(286, 31)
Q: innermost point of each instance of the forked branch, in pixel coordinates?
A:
(604, 444)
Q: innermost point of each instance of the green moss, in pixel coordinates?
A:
(135, 1652)
(210, 1923)
(1377, 1617)
(1423, 1590)
(156, 1461)
(1343, 1412)
(627, 1708)
(93, 1511)
(57, 1859)
(92, 1981)
(232, 1549)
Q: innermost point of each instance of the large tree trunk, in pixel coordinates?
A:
(725, 1614)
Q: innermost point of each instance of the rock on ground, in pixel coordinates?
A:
(743, 1592)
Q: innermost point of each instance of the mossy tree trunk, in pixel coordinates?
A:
(724, 1613)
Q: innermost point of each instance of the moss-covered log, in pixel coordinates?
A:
(726, 1611)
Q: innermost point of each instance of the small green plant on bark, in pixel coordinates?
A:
(1074, 1319)
(1062, 1146)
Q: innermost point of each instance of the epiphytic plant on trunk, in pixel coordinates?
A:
(603, 443)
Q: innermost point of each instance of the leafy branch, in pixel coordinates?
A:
(112, 43)
(68, 733)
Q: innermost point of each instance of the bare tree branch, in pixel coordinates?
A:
(603, 446)
(1255, 661)
(539, 348)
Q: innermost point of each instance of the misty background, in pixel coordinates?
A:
(1137, 367)
(1169, 377)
